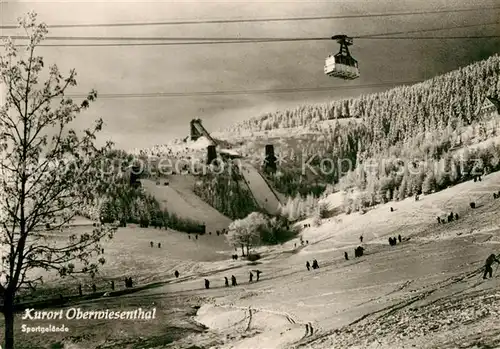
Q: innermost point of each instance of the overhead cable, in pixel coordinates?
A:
(260, 20)
(180, 41)
(241, 92)
(166, 38)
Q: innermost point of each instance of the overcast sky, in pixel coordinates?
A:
(142, 122)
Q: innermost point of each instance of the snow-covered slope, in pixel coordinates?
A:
(426, 292)
(289, 299)
(178, 198)
(378, 223)
(333, 201)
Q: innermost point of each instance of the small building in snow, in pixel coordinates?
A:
(490, 106)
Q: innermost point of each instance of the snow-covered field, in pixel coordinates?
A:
(129, 254)
(277, 311)
(425, 292)
(418, 293)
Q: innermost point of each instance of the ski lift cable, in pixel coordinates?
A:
(243, 40)
(264, 41)
(260, 20)
(243, 92)
(426, 30)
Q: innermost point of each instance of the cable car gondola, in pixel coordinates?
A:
(342, 65)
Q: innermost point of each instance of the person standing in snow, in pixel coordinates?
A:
(308, 266)
(487, 265)
(315, 264)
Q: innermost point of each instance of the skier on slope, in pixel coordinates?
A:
(487, 265)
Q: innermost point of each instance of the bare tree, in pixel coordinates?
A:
(45, 181)
(245, 232)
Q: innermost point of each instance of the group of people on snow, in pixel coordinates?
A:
(233, 279)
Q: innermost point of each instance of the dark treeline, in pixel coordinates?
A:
(289, 181)
(132, 204)
(276, 231)
(227, 193)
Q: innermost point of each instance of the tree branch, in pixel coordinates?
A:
(36, 193)
(40, 126)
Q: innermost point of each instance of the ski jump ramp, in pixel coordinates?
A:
(179, 199)
(263, 194)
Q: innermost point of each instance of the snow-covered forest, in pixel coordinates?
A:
(402, 112)
(410, 132)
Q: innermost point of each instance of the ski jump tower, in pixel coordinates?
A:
(197, 131)
(270, 159)
(195, 134)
